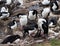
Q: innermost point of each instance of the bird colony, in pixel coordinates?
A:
(29, 21)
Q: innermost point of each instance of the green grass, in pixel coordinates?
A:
(55, 42)
(52, 42)
(39, 45)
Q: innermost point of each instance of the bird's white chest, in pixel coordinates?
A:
(45, 2)
(8, 2)
(32, 17)
(4, 16)
(23, 21)
(14, 26)
(32, 31)
(3, 9)
(51, 24)
(54, 6)
(17, 41)
(45, 12)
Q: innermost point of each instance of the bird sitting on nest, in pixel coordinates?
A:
(11, 39)
(12, 24)
(4, 13)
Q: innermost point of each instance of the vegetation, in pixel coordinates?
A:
(55, 42)
(52, 42)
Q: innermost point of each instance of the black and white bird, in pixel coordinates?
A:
(11, 39)
(32, 15)
(4, 13)
(12, 24)
(52, 22)
(30, 28)
(45, 12)
(43, 25)
(54, 5)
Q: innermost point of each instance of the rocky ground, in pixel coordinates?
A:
(29, 41)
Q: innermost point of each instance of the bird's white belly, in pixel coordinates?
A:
(51, 24)
(13, 27)
(32, 17)
(8, 2)
(54, 7)
(17, 41)
(44, 14)
(45, 2)
(3, 16)
(23, 21)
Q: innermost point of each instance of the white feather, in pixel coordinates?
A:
(23, 20)
(45, 2)
(40, 22)
(45, 12)
(31, 16)
(32, 31)
(8, 2)
(51, 24)
(4, 16)
(3, 9)
(17, 41)
(54, 6)
(14, 26)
